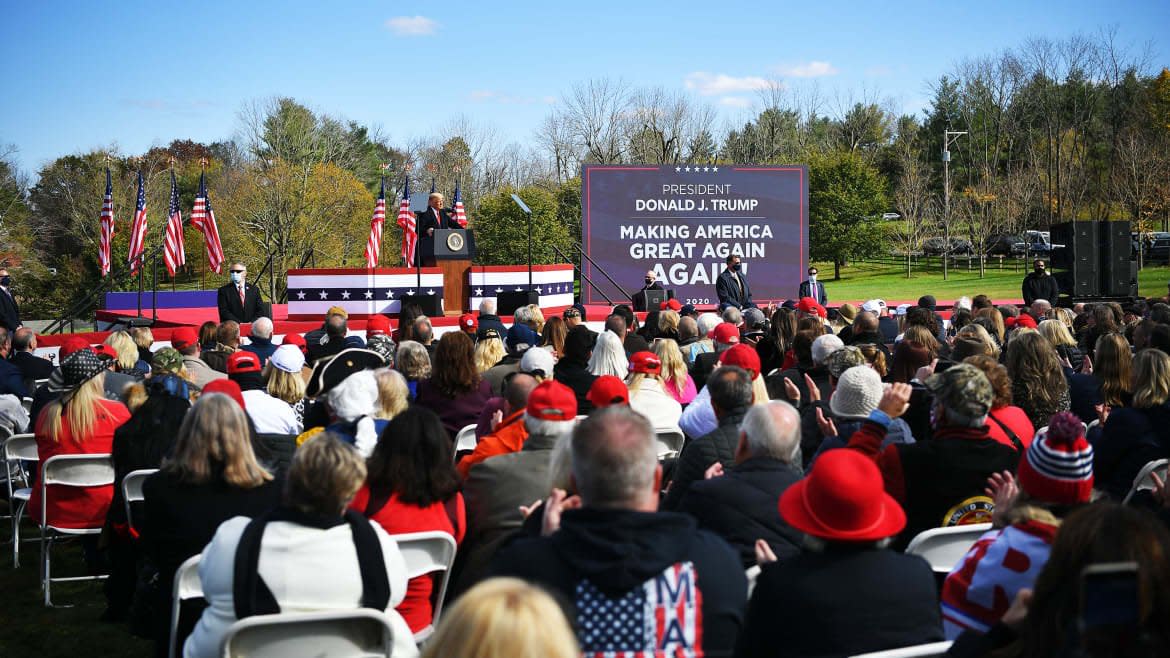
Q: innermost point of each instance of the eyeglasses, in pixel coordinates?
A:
(238, 271)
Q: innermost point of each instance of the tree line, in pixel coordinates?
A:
(1055, 130)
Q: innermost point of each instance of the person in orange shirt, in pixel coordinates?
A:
(509, 434)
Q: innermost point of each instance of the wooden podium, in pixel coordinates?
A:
(454, 249)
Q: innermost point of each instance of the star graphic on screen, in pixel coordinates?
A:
(369, 294)
(715, 169)
(706, 169)
(324, 295)
(345, 294)
(300, 294)
(688, 168)
(678, 168)
(479, 292)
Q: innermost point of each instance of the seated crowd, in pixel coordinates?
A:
(616, 492)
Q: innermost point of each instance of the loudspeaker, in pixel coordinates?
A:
(1077, 262)
(1118, 271)
(649, 300)
(508, 302)
(431, 305)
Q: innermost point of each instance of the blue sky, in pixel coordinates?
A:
(81, 75)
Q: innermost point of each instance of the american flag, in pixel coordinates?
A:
(374, 245)
(409, 225)
(663, 617)
(203, 218)
(173, 252)
(107, 226)
(460, 214)
(138, 228)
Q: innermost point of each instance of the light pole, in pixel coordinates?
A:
(949, 137)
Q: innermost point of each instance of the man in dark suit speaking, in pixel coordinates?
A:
(732, 286)
(813, 288)
(434, 217)
(240, 300)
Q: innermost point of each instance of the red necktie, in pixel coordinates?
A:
(241, 296)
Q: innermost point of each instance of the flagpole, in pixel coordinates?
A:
(203, 251)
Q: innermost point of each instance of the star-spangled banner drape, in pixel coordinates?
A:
(203, 218)
(107, 227)
(174, 254)
(374, 244)
(138, 229)
(409, 225)
(460, 213)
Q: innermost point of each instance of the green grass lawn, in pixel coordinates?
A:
(31, 629)
(887, 279)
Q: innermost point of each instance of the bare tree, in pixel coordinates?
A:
(597, 113)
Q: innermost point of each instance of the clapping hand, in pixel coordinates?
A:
(1002, 489)
(764, 554)
(895, 400)
(825, 424)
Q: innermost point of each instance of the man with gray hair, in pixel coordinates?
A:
(939, 482)
(489, 320)
(260, 342)
(741, 504)
(424, 333)
(622, 567)
(733, 315)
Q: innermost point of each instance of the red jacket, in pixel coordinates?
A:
(398, 518)
(1016, 420)
(70, 507)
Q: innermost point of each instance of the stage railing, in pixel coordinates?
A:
(108, 283)
(580, 273)
(577, 246)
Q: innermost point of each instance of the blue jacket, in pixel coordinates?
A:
(898, 432)
(1129, 440)
(728, 291)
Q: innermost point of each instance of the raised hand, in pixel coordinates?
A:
(895, 400)
(791, 391)
(814, 393)
(825, 424)
(713, 471)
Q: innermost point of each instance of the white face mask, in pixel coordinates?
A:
(812, 278)
(236, 278)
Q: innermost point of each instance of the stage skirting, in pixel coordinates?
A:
(554, 283)
(312, 292)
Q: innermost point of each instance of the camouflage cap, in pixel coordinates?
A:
(167, 359)
(963, 389)
(843, 359)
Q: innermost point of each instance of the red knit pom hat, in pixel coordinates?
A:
(1058, 466)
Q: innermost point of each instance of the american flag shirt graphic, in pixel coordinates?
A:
(662, 618)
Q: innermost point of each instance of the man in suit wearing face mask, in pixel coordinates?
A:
(9, 310)
(240, 300)
(813, 288)
(732, 286)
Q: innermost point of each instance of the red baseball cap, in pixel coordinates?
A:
(743, 356)
(646, 363)
(671, 304)
(241, 362)
(552, 400)
(108, 351)
(810, 305)
(296, 339)
(607, 390)
(725, 333)
(71, 345)
(843, 499)
(377, 324)
(468, 323)
(228, 388)
(184, 337)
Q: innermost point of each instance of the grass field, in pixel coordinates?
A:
(887, 279)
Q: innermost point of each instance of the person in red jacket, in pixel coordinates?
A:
(411, 486)
(81, 421)
(509, 433)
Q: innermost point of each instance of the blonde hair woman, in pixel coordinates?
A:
(675, 380)
(393, 395)
(996, 318)
(1113, 366)
(537, 318)
(307, 554)
(81, 421)
(283, 380)
(1135, 435)
(979, 333)
(668, 324)
(1062, 339)
(127, 351)
(488, 352)
(648, 394)
(503, 618)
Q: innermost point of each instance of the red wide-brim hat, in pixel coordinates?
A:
(843, 499)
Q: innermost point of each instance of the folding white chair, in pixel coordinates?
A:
(81, 471)
(917, 651)
(464, 440)
(132, 489)
(187, 586)
(1144, 481)
(361, 632)
(17, 449)
(670, 444)
(426, 553)
(38, 383)
(944, 547)
(26, 402)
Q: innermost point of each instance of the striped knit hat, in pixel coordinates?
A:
(1058, 466)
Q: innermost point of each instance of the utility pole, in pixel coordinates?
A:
(949, 137)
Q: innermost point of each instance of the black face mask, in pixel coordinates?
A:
(735, 267)
(1039, 270)
(5, 280)
(649, 280)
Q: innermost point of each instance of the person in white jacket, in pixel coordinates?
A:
(647, 396)
(307, 555)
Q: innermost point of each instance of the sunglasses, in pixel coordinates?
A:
(238, 271)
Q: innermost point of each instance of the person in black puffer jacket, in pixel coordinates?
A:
(731, 394)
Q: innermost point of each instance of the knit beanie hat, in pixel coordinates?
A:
(1058, 466)
(859, 389)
